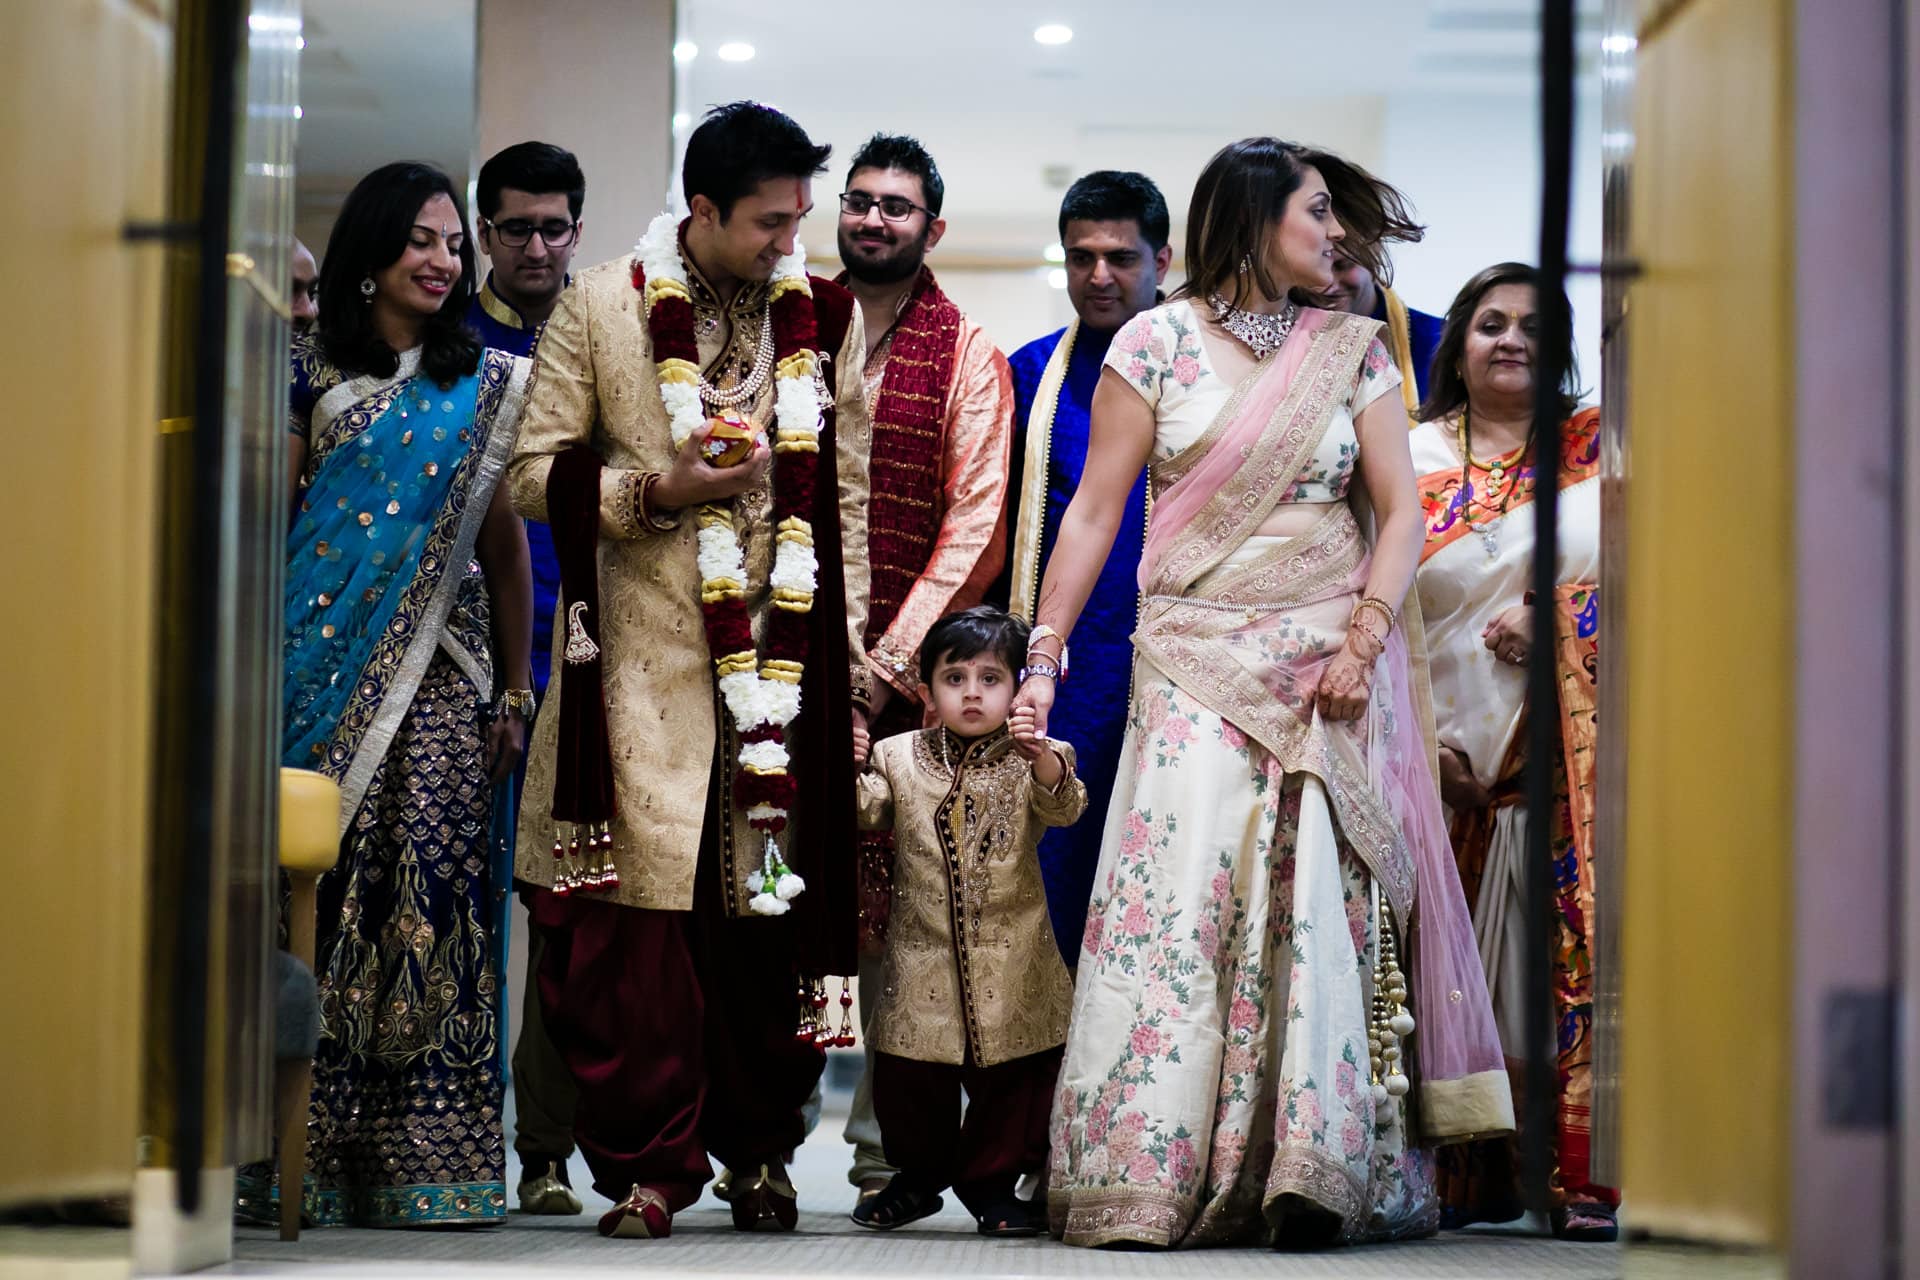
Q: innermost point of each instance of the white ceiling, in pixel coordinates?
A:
(1153, 85)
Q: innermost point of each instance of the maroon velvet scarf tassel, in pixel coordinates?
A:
(820, 741)
(583, 798)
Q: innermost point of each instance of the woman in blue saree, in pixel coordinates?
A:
(408, 596)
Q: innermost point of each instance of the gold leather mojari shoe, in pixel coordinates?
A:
(643, 1215)
(544, 1193)
(766, 1201)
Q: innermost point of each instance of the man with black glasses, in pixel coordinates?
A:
(530, 197)
(941, 398)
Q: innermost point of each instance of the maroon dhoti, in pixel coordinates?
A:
(678, 1027)
(981, 1155)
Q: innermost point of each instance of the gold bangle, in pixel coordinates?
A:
(1376, 603)
(641, 517)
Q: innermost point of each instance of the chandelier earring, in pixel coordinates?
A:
(366, 288)
(1246, 263)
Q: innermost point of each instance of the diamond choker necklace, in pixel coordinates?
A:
(1263, 332)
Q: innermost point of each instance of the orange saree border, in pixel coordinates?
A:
(1450, 518)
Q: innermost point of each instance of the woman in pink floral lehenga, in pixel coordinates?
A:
(1241, 1065)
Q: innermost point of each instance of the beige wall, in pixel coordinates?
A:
(77, 499)
(595, 77)
(1706, 912)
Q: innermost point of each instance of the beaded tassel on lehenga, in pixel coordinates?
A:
(1391, 1022)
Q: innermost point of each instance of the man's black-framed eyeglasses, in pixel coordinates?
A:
(515, 232)
(857, 204)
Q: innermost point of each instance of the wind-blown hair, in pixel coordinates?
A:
(1243, 192)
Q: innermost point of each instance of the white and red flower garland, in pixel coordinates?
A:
(761, 688)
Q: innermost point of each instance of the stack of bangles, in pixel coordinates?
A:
(1038, 662)
(1379, 606)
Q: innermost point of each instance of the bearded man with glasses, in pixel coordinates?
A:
(530, 197)
(941, 398)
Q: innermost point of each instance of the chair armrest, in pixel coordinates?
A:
(309, 821)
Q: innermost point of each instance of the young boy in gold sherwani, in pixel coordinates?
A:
(974, 995)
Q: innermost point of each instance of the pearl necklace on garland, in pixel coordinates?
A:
(761, 687)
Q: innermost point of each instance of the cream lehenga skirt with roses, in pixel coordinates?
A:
(1215, 1083)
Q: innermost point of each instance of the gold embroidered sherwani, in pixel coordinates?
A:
(594, 384)
(971, 972)
(975, 450)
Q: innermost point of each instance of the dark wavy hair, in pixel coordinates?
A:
(972, 632)
(1447, 385)
(899, 151)
(739, 146)
(370, 235)
(1243, 192)
(1115, 195)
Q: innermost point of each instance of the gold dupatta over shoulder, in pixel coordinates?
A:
(1400, 346)
(1029, 528)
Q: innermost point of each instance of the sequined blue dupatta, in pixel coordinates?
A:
(403, 471)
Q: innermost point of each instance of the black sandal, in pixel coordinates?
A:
(896, 1206)
(1009, 1219)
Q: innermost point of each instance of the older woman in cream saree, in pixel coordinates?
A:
(1276, 892)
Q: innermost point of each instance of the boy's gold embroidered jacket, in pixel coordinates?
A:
(972, 973)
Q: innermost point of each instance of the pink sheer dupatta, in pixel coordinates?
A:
(1223, 452)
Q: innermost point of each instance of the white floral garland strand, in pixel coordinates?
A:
(752, 697)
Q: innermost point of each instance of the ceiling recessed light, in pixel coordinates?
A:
(1057, 278)
(300, 42)
(1054, 253)
(1053, 33)
(681, 119)
(686, 51)
(735, 51)
(299, 113)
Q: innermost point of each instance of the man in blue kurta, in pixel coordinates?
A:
(1113, 226)
(529, 198)
(1411, 335)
